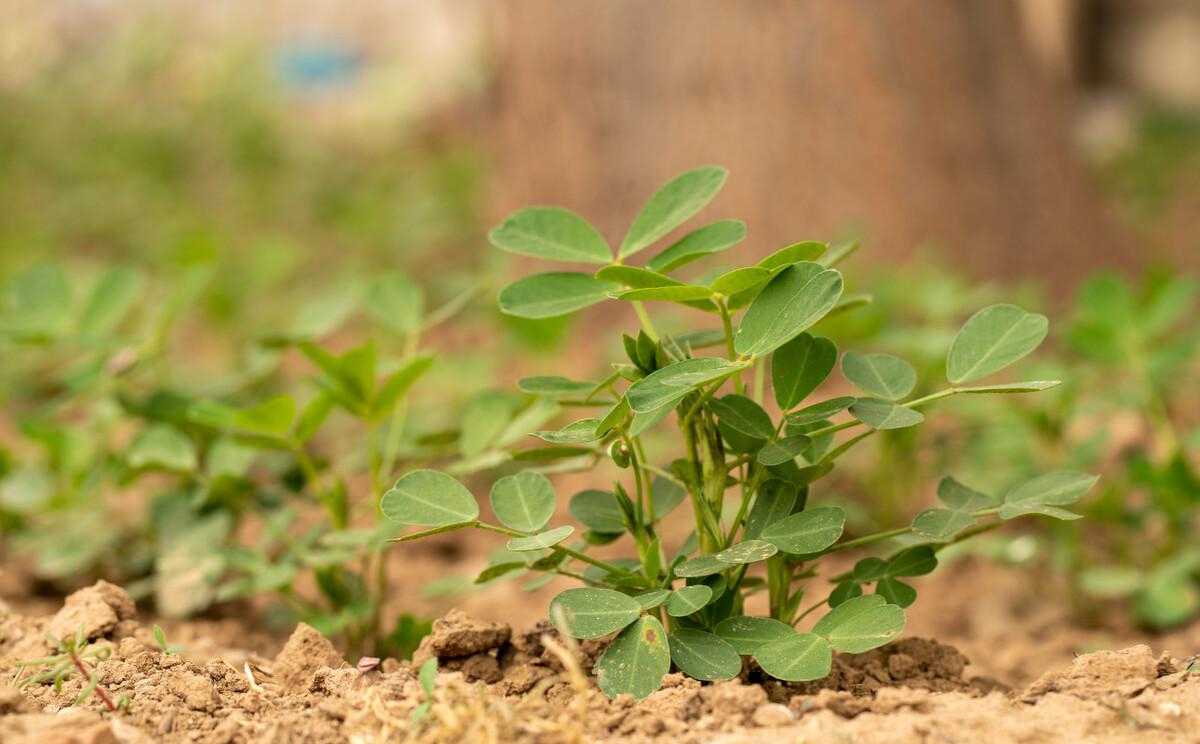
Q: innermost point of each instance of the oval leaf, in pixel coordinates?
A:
(796, 298)
(799, 366)
(524, 501)
(820, 411)
(748, 634)
(857, 626)
(882, 375)
(672, 205)
(542, 540)
(743, 415)
(748, 551)
(553, 294)
(588, 613)
(774, 502)
(704, 565)
(783, 450)
(429, 498)
(550, 232)
(1046, 493)
(992, 339)
(808, 250)
(554, 386)
(635, 663)
(689, 599)
(802, 657)
(883, 414)
(673, 382)
(704, 656)
(809, 531)
(652, 599)
(598, 511)
(699, 243)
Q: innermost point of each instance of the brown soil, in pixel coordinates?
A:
(501, 686)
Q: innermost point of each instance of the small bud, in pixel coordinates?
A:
(619, 453)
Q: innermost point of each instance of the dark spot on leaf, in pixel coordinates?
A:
(651, 636)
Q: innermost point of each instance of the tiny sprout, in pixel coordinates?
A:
(72, 657)
(752, 474)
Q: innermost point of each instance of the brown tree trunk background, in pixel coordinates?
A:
(918, 122)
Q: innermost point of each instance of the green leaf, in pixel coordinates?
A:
(704, 656)
(799, 366)
(162, 447)
(796, 298)
(801, 657)
(650, 600)
(550, 232)
(808, 250)
(272, 417)
(672, 205)
(809, 531)
(697, 244)
(844, 592)
(552, 294)
(740, 280)
(992, 339)
(635, 663)
(743, 415)
(689, 599)
(554, 386)
(577, 432)
(665, 495)
(915, 561)
(636, 277)
(398, 383)
(1031, 386)
(523, 502)
(783, 450)
(396, 302)
(820, 411)
(883, 415)
(427, 675)
(592, 612)
(429, 498)
(672, 383)
(748, 634)
(961, 504)
(881, 375)
(704, 565)
(747, 551)
(483, 418)
(1045, 495)
(896, 592)
(497, 570)
(542, 540)
(36, 304)
(774, 502)
(598, 511)
(110, 301)
(861, 624)
(685, 293)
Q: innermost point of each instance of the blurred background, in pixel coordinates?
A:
(266, 161)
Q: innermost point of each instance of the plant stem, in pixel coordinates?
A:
(647, 324)
(867, 540)
(727, 325)
(86, 674)
(584, 557)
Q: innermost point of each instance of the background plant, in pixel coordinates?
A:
(748, 477)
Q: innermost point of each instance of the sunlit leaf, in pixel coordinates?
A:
(747, 551)
(689, 599)
(699, 243)
(542, 540)
(551, 294)
(1046, 494)
(809, 531)
(801, 657)
(635, 663)
(747, 634)
(861, 624)
(796, 298)
(524, 501)
(672, 383)
(589, 612)
(881, 375)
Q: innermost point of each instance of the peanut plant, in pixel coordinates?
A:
(751, 479)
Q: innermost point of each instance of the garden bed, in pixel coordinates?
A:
(500, 684)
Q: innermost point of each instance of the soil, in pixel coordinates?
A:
(498, 684)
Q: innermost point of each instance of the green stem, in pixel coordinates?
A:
(584, 557)
(727, 325)
(644, 318)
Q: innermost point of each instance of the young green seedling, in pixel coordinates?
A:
(750, 477)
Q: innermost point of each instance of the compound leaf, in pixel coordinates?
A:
(1045, 495)
(552, 294)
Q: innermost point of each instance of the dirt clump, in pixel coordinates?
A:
(305, 653)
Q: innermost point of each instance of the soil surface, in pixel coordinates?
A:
(500, 684)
